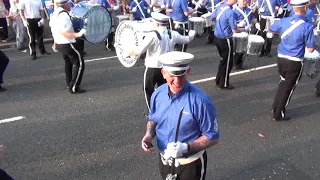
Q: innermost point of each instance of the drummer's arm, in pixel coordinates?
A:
(310, 40)
(146, 43)
(180, 39)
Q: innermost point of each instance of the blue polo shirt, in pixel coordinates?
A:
(178, 8)
(105, 3)
(311, 18)
(198, 117)
(246, 10)
(143, 6)
(226, 22)
(264, 5)
(295, 42)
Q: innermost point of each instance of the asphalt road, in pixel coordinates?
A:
(97, 135)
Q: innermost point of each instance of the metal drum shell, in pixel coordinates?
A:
(255, 44)
(196, 24)
(206, 18)
(240, 41)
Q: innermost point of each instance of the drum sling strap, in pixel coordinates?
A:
(291, 28)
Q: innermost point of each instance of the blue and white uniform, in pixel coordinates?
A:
(226, 21)
(296, 34)
(141, 12)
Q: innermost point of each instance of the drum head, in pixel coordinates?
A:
(126, 39)
(96, 19)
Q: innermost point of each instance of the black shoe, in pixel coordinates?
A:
(317, 94)
(238, 67)
(261, 54)
(268, 54)
(2, 89)
(84, 54)
(33, 57)
(78, 91)
(285, 118)
(230, 87)
(110, 48)
(45, 53)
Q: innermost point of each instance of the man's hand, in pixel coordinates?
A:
(147, 138)
(41, 22)
(134, 9)
(81, 33)
(257, 25)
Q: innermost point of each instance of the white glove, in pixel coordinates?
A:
(176, 150)
(257, 25)
(41, 22)
(82, 32)
(54, 47)
(115, 8)
(269, 35)
(134, 9)
(192, 34)
(241, 23)
(148, 11)
(25, 23)
(194, 2)
(280, 11)
(162, 6)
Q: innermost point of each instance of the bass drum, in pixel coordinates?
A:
(129, 35)
(95, 18)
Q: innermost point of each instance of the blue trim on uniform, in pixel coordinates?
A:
(198, 118)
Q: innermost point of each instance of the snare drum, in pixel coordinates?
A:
(129, 35)
(196, 24)
(206, 18)
(310, 60)
(240, 41)
(121, 18)
(95, 18)
(255, 44)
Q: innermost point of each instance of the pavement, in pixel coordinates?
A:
(96, 135)
(12, 43)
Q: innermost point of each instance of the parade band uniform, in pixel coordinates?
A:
(225, 20)
(30, 12)
(4, 60)
(179, 15)
(159, 6)
(198, 121)
(156, 43)
(139, 9)
(245, 17)
(74, 63)
(296, 34)
(267, 9)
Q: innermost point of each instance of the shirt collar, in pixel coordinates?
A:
(180, 93)
(296, 16)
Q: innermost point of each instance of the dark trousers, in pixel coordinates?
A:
(35, 32)
(210, 37)
(74, 64)
(4, 29)
(151, 77)
(238, 60)
(4, 60)
(318, 88)
(290, 74)
(191, 171)
(4, 175)
(109, 41)
(183, 30)
(80, 45)
(268, 41)
(201, 11)
(225, 49)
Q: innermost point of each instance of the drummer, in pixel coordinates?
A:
(267, 9)
(225, 19)
(296, 36)
(245, 17)
(160, 42)
(179, 14)
(158, 6)
(139, 10)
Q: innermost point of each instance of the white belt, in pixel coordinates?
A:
(184, 161)
(178, 22)
(265, 17)
(289, 57)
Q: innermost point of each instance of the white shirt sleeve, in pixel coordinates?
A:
(179, 39)
(21, 5)
(66, 24)
(146, 43)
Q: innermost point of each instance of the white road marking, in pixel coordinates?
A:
(100, 59)
(11, 119)
(235, 73)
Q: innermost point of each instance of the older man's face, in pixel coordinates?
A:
(242, 3)
(175, 83)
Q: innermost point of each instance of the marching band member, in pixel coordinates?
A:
(160, 42)
(125, 6)
(245, 17)
(4, 60)
(225, 19)
(32, 15)
(267, 9)
(179, 13)
(158, 6)
(198, 129)
(139, 9)
(296, 35)
(64, 38)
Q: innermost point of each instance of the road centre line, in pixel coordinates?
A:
(12, 119)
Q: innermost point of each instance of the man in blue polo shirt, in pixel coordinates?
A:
(226, 24)
(182, 149)
(178, 11)
(296, 36)
(139, 9)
